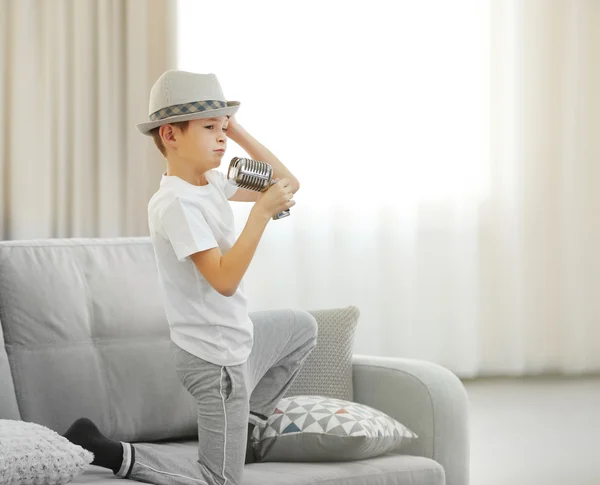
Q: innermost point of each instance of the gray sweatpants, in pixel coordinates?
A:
(225, 397)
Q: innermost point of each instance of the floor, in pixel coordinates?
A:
(536, 430)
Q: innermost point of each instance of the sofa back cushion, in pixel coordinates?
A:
(8, 400)
(87, 335)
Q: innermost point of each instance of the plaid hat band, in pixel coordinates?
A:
(183, 109)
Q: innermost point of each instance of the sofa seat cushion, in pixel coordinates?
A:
(390, 469)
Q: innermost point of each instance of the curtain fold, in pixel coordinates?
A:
(540, 263)
(76, 75)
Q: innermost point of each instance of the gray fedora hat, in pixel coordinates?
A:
(181, 96)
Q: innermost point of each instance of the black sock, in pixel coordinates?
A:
(107, 453)
(250, 457)
(261, 416)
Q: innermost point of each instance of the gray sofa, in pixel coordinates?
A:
(84, 334)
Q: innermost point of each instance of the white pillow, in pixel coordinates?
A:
(318, 428)
(31, 454)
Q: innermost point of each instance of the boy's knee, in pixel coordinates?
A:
(306, 322)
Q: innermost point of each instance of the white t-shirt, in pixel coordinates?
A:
(183, 219)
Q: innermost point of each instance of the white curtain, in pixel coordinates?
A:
(448, 156)
(75, 78)
(540, 268)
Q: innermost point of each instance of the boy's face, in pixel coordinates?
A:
(198, 145)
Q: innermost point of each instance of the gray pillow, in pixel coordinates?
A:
(317, 428)
(328, 369)
(33, 454)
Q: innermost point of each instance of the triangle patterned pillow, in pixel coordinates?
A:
(318, 428)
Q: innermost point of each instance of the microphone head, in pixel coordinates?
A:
(250, 174)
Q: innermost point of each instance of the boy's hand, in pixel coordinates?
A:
(276, 198)
(232, 127)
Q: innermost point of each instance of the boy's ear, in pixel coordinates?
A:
(167, 133)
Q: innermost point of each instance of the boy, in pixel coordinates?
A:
(237, 369)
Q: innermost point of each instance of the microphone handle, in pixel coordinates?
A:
(282, 214)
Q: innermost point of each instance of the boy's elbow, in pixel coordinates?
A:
(228, 292)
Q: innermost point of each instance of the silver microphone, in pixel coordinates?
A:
(253, 175)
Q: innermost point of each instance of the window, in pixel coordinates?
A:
(386, 97)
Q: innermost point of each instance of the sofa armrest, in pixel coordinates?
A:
(427, 398)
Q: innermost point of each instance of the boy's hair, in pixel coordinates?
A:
(182, 125)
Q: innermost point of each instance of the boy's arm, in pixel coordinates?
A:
(258, 151)
(225, 273)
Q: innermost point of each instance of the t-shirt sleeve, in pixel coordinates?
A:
(225, 184)
(186, 228)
